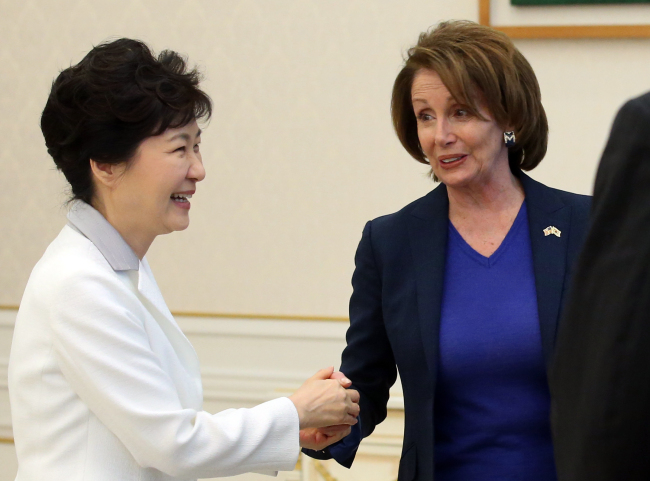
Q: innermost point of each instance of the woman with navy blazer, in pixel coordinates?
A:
(461, 290)
(103, 384)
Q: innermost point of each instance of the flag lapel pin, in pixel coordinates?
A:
(552, 230)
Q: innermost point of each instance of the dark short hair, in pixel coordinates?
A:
(106, 105)
(476, 63)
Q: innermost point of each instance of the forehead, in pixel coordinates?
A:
(187, 131)
(426, 83)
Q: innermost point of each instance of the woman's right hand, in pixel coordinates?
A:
(322, 401)
(319, 438)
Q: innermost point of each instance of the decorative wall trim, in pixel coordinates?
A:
(230, 383)
(233, 385)
(6, 432)
(7, 322)
(236, 315)
(268, 317)
(563, 31)
(322, 470)
(4, 371)
(259, 328)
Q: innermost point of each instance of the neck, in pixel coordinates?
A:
(499, 193)
(127, 226)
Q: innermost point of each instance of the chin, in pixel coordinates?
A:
(182, 226)
(176, 225)
(452, 180)
(456, 179)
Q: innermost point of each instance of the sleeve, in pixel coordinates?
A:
(103, 350)
(368, 358)
(343, 451)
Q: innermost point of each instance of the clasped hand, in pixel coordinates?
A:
(326, 408)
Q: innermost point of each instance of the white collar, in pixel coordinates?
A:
(90, 223)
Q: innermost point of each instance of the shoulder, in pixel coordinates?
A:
(70, 254)
(71, 265)
(431, 205)
(552, 199)
(638, 105)
(579, 202)
(631, 128)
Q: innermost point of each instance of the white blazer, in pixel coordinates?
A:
(104, 385)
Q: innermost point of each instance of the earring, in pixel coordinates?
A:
(509, 139)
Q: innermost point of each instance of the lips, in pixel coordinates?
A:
(182, 199)
(448, 161)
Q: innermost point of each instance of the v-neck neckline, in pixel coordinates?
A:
(507, 240)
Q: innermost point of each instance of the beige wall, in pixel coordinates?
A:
(300, 153)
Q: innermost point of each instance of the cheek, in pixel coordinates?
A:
(425, 138)
(486, 142)
(498, 143)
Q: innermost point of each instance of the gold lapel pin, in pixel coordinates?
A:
(551, 229)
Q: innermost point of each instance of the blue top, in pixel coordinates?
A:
(492, 399)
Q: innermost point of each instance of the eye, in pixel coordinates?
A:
(180, 149)
(196, 147)
(462, 113)
(424, 117)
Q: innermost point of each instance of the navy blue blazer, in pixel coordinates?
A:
(395, 306)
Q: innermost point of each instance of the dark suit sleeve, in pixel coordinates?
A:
(600, 381)
(368, 358)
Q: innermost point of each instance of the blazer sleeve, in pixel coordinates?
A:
(368, 358)
(103, 351)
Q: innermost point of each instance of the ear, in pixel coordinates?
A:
(106, 174)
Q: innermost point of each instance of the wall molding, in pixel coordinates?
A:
(229, 384)
(226, 384)
(233, 385)
(260, 328)
(236, 315)
(4, 371)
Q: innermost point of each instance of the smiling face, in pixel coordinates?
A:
(149, 195)
(464, 151)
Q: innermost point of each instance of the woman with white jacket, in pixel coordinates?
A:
(103, 384)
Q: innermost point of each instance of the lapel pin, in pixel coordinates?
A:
(551, 229)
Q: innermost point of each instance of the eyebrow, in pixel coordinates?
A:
(185, 136)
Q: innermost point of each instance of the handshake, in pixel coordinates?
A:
(326, 408)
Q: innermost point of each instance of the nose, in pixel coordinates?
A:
(444, 135)
(197, 171)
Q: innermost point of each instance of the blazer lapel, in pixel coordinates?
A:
(428, 226)
(158, 308)
(546, 209)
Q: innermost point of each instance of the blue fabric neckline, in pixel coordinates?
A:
(520, 220)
